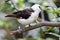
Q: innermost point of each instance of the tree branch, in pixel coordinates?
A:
(51, 3)
(14, 4)
(54, 24)
(42, 15)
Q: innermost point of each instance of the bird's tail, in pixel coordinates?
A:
(10, 16)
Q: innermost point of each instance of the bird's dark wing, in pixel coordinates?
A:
(16, 12)
(26, 13)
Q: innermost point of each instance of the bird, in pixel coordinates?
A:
(28, 15)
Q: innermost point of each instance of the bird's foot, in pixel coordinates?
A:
(29, 25)
(37, 21)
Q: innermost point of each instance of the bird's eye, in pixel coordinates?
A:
(39, 7)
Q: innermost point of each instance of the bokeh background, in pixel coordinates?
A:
(52, 7)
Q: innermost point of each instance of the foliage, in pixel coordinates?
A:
(4, 24)
(20, 3)
(8, 7)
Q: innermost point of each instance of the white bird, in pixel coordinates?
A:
(27, 16)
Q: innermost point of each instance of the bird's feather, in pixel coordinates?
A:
(29, 15)
(10, 16)
(26, 13)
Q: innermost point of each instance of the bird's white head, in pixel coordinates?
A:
(36, 7)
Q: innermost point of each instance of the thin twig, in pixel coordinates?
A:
(51, 3)
(14, 4)
(42, 15)
(9, 36)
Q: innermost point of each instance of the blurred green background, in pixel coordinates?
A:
(6, 7)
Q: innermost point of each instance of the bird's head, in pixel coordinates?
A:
(36, 7)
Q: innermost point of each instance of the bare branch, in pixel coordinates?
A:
(9, 36)
(51, 3)
(54, 24)
(42, 15)
(14, 4)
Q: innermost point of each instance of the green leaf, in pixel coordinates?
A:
(58, 10)
(50, 28)
(1, 23)
(31, 39)
(2, 2)
(6, 6)
(20, 3)
(41, 33)
(39, 39)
